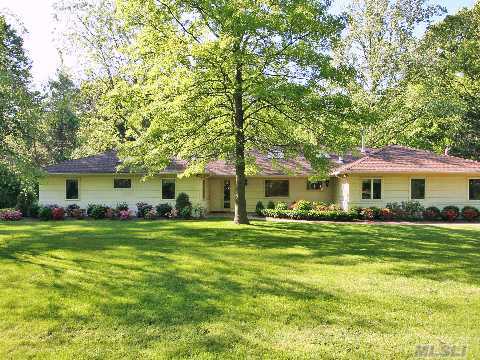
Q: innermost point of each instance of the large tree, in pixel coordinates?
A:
(380, 41)
(218, 79)
(438, 106)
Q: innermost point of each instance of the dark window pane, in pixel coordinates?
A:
(418, 189)
(314, 185)
(226, 194)
(474, 189)
(276, 188)
(71, 189)
(168, 189)
(203, 189)
(366, 189)
(377, 188)
(122, 183)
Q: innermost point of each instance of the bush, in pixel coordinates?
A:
(281, 206)
(58, 213)
(150, 215)
(470, 213)
(259, 208)
(124, 214)
(431, 213)
(198, 211)
(27, 203)
(34, 210)
(163, 210)
(172, 214)
(96, 211)
(303, 205)
(10, 214)
(123, 206)
(45, 213)
(367, 214)
(271, 205)
(386, 214)
(185, 212)
(413, 208)
(331, 215)
(183, 201)
(143, 208)
(111, 213)
(450, 213)
(72, 209)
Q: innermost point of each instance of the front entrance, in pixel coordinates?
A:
(220, 194)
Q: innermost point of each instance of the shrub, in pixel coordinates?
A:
(58, 213)
(281, 206)
(163, 210)
(331, 215)
(45, 213)
(185, 212)
(367, 214)
(122, 206)
(27, 204)
(431, 213)
(259, 208)
(413, 208)
(271, 205)
(450, 213)
(198, 211)
(143, 208)
(124, 214)
(303, 205)
(71, 209)
(110, 213)
(394, 206)
(96, 211)
(150, 215)
(183, 201)
(10, 214)
(470, 213)
(386, 214)
(172, 214)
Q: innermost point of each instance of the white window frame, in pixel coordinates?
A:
(65, 188)
(371, 188)
(161, 188)
(410, 187)
(468, 188)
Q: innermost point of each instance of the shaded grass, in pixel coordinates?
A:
(211, 289)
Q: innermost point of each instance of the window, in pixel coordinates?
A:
(122, 183)
(276, 188)
(417, 189)
(71, 189)
(371, 189)
(168, 189)
(314, 185)
(474, 189)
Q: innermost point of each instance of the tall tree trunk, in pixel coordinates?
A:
(240, 200)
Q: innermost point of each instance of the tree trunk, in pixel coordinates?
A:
(240, 200)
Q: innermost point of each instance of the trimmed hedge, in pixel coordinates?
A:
(333, 215)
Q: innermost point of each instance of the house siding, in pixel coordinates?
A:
(440, 189)
(98, 189)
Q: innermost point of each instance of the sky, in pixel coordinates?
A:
(37, 18)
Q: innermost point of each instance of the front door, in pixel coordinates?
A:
(226, 194)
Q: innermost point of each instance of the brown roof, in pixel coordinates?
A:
(108, 162)
(392, 158)
(397, 159)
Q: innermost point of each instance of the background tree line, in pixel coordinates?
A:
(208, 79)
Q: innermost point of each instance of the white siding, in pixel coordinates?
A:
(440, 189)
(98, 189)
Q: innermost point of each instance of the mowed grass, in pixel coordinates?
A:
(211, 289)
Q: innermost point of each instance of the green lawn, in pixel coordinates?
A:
(211, 289)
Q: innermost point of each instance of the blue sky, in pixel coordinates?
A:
(37, 17)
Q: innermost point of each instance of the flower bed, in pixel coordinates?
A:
(10, 215)
(332, 215)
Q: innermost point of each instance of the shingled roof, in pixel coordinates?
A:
(107, 163)
(401, 159)
(390, 159)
